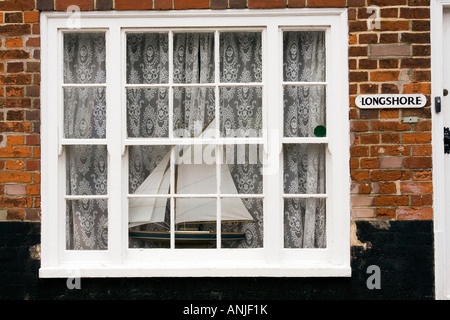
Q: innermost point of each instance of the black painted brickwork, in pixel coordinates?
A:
(402, 249)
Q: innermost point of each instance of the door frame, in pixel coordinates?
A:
(440, 185)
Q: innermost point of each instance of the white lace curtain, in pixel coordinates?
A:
(147, 112)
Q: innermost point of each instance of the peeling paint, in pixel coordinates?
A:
(35, 252)
(381, 224)
(354, 241)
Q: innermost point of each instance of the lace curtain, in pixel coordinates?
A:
(147, 111)
(304, 164)
(85, 118)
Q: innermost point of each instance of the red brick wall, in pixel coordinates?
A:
(390, 160)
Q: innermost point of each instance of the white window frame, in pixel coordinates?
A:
(272, 260)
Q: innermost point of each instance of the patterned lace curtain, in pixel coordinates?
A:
(304, 164)
(85, 118)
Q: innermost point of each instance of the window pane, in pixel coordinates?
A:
(84, 113)
(194, 112)
(242, 170)
(304, 56)
(149, 169)
(149, 222)
(84, 58)
(304, 223)
(240, 57)
(304, 111)
(193, 58)
(87, 224)
(242, 222)
(147, 58)
(195, 169)
(86, 170)
(241, 111)
(195, 220)
(304, 168)
(148, 112)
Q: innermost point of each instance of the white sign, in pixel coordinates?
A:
(384, 101)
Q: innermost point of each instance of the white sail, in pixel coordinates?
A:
(147, 210)
(192, 178)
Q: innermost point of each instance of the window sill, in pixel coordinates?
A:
(192, 270)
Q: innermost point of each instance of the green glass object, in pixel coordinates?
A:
(320, 131)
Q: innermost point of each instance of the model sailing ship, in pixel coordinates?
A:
(190, 179)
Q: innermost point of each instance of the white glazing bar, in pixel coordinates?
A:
(77, 142)
(301, 83)
(217, 135)
(305, 196)
(172, 198)
(196, 195)
(81, 197)
(84, 85)
(171, 85)
(304, 140)
(192, 141)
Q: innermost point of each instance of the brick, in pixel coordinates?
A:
(422, 150)
(415, 13)
(369, 163)
(13, 165)
(219, 4)
(14, 91)
(390, 50)
(422, 137)
(31, 16)
(389, 88)
(13, 54)
(17, 5)
(424, 88)
(189, 4)
(416, 187)
(386, 175)
(397, 25)
(163, 4)
(14, 67)
(415, 37)
(384, 75)
(33, 189)
(425, 213)
(390, 138)
(11, 126)
(16, 214)
(264, 4)
(15, 29)
(387, 187)
(356, 3)
(33, 42)
(363, 213)
(326, 3)
(391, 200)
(13, 42)
(13, 17)
(33, 165)
(386, 2)
(45, 5)
(385, 213)
(237, 4)
(14, 79)
(418, 162)
(15, 177)
(361, 201)
(16, 189)
(390, 162)
(63, 5)
(296, 3)
(390, 150)
(104, 5)
(358, 175)
(416, 63)
(15, 152)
